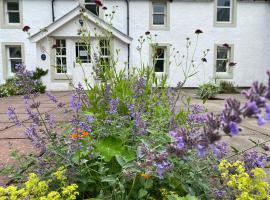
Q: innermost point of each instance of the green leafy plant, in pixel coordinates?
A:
(227, 87)
(207, 91)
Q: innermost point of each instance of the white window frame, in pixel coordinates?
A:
(166, 58)
(100, 11)
(9, 58)
(12, 11)
(166, 14)
(230, 56)
(4, 22)
(61, 57)
(232, 21)
(6, 58)
(108, 47)
(81, 44)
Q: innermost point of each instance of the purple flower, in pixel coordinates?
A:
(260, 120)
(162, 167)
(90, 119)
(114, 105)
(75, 103)
(234, 130)
(180, 143)
(12, 116)
(201, 150)
(253, 159)
(267, 110)
(251, 109)
(219, 150)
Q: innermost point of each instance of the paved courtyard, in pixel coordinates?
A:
(12, 137)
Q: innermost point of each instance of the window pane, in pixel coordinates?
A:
(82, 53)
(158, 8)
(221, 65)
(14, 17)
(12, 5)
(224, 2)
(223, 14)
(158, 19)
(159, 66)
(15, 52)
(92, 8)
(13, 63)
(64, 51)
(160, 53)
(222, 53)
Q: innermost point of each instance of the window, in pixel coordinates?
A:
(225, 12)
(159, 13)
(83, 52)
(91, 6)
(223, 58)
(12, 12)
(14, 57)
(61, 57)
(159, 59)
(104, 53)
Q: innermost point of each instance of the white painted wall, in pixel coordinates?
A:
(251, 36)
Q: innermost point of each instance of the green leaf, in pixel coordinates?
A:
(235, 150)
(142, 193)
(111, 146)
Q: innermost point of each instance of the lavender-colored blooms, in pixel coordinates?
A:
(253, 159)
(234, 130)
(201, 150)
(90, 119)
(12, 116)
(260, 120)
(220, 150)
(139, 87)
(162, 167)
(75, 103)
(267, 111)
(114, 105)
(51, 97)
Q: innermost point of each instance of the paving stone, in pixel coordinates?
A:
(13, 132)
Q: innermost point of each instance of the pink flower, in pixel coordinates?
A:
(26, 28)
(98, 2)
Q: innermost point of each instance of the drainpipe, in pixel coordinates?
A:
(53, 16)
(127, 1)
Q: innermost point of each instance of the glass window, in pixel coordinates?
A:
(14, 57)
(61, 57)
(104, 53)
(91, 6)
(222, 59)
(224, 10)
(13, 11)
(83, 53)
(159, 13)
(159, 59)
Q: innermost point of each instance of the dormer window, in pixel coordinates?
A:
(225, 12)
(92, 6)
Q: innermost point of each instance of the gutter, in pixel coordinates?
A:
(127, 1)
(53, 16)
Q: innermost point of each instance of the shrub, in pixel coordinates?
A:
(34, 188)
(207, 91)
(227, 87)
(11, 87)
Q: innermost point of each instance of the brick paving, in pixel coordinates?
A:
(12, 137)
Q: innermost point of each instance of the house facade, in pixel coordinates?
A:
(242, 25)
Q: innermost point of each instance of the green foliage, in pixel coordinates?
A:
(227, 87)
(10, 88)
(207, 91)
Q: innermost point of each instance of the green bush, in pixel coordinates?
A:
(227, 87)
(207, 91)
(10, 88)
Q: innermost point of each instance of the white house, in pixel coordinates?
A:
(243, 25)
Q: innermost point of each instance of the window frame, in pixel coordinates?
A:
(100, 11)
(61, 56)
(166, 58)
(5, 57)
(9, 58)
(88, 59)
(108, 47)
(233, 14)
(4, 23)
(230, 57)
(166, 25)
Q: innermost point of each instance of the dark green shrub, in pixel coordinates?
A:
(227, 87)
(207, 91)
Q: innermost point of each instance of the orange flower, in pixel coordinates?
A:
(74, 135)
(145, 176)
(85, 134)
